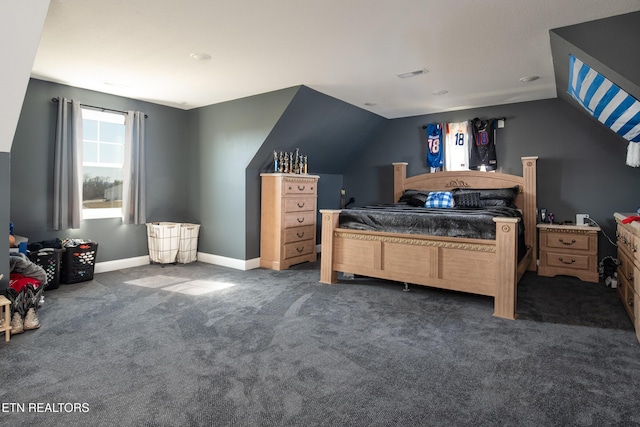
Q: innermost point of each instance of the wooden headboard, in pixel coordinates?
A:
(449, 180)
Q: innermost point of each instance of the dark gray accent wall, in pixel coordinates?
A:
(223, 190)
(330, 132)
(32, 171)
(5, 194)
(580, 168)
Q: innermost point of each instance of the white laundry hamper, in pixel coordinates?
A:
(188, 247)
(164, 240)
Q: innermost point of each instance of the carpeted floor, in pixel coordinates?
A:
(196, 344)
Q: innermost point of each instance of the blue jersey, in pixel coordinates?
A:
(435, 158)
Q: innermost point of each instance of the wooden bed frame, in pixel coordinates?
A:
(477, 266)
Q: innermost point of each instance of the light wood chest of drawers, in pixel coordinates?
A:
(571, 250)
(628, 239)
(288, 220)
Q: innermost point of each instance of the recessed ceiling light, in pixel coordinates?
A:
(441, 92)
(528, 79)
(412, 73)
(200, 56)
(370, 104)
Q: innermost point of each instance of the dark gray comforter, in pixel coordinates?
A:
(403, 218)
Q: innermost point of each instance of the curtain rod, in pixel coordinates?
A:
(497, 118)
(56, 100)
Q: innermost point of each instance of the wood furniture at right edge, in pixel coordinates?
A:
(628, 237)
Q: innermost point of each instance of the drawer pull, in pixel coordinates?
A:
(301, 188)
(300, 235)
(300, 250)
(630, 277)
(566, 262)
(630, 302)
(301, 205)
(567, 243)
(300, 220)
(634, 248)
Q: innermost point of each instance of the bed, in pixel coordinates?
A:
(490, 267)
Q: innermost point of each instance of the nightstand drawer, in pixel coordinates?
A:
(299, 219)
(299, 233)
(572, 241)
(300, 204)
(564, 260)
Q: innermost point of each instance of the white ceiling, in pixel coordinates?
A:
(349, 49)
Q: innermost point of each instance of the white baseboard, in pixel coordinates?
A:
(103, 267)
(238, 264)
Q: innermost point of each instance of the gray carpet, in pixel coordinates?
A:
(207, 345)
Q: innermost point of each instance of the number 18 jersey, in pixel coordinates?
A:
(457, 139)
(435, 157)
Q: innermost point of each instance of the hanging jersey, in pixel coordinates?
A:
(435, 158)
(483, 150)
(456, 146)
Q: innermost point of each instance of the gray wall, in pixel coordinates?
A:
(580, 168)
(199, 163)
(32, 169)
(224, 139)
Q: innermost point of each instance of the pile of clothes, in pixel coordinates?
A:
(27, 282)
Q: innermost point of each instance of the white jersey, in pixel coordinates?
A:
(457, 141)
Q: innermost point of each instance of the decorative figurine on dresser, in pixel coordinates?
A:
(288, 217)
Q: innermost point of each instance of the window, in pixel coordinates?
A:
(102, 166)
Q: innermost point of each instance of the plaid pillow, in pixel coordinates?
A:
(439, 199)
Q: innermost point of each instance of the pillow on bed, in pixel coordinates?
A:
(468, 200)
(493, 196)
(418, 199)
(439, 199)
(413, 197)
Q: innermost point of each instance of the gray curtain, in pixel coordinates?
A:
(67, 168)
(134, 186)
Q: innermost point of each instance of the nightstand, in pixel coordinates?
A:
(571, 250)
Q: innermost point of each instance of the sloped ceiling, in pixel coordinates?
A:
(20, 27)
(608, 45)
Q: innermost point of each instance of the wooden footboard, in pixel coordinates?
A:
(484, 267)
